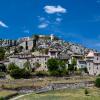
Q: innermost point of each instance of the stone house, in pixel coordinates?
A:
(20, 59)
(93, 63)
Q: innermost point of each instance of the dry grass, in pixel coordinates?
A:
(4, 93)
(38, 82)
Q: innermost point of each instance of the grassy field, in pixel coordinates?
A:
(76, 94)
(5, 93)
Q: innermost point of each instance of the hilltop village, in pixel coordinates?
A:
(39, 48)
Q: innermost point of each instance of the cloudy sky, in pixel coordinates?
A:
(73, 20)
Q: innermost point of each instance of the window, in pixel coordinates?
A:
(97, 58)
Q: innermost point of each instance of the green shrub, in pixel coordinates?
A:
(16, 73)
(20, 73)
(97, 82)
(42, 73)
(2, 75)
(86, 92)
(26, 74)
(12, 66)
(1, 98)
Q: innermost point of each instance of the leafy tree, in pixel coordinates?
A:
(62, 67)
(15, 50)
(37, 65)
(2, 98)
(2, 75)
(74, 62)
(97, 82)
(26, 45)
(52, 64)
(86, 92)
(35, 39)
(46, 51)
(12, 66)
(25, 73)
(2, 53)
(72, 67)
(20, 48)
(16, 73)
(56, 67)
(42, 73)
(85, 69)
(2, 68)
(27, 66)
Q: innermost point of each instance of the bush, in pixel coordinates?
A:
(16, 73)
(12, 66)
(26, 74)
(42, 73)
(1, 98)
(54, 73)
(20, 73)
(97, 82)
(86, 92)
(3, 68)
(2, 75)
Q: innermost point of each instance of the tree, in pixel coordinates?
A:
(2, 53)
(46, 51)
(27, 66)
(20, 48)
(37, 65)
(35, 39)
(97, 82)
(12, 66)
(25, 73)
(86, 92)
(56, 67)
(72, 67)
(52, 64)
(16, 73)
(26, 45)
(2, 68)
(62, 68)
(15, 50)
(74, 62)
(85, 69)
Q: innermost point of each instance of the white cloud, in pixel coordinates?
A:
(58, 19)
(43, 25)
(54, 9)
(2, 24)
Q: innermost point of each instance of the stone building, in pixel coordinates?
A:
(93, 63)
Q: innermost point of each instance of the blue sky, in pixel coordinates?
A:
(73, 20)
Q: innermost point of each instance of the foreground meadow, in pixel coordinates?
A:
(72, 94)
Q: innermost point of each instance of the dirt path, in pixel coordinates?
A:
(18, 97)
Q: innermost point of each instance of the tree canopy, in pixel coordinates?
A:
(2, 53)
